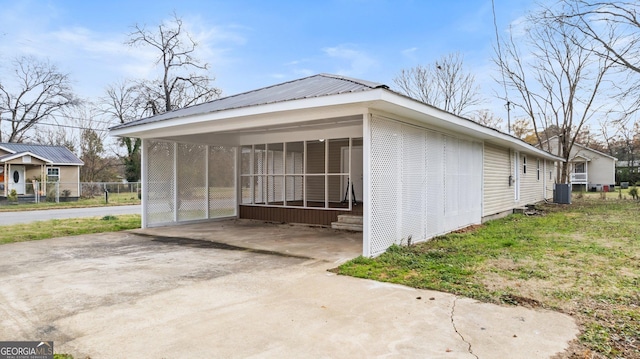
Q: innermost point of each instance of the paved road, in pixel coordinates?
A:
(7, 218)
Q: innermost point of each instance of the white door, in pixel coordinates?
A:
(16, 179)
(356, 171)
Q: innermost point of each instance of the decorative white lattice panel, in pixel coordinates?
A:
(192, 185)
(160, 182)
(222, 182)
(451, 182)
(414, 201)
(435, 153)
(422, 183)
(385, 184)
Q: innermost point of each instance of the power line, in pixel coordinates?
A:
(59, 125)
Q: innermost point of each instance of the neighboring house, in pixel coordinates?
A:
(313, 149)
(21, 164)
(589, 169)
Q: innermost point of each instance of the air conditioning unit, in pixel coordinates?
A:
(562, 193)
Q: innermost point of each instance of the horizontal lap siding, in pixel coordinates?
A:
(531, 189)
(498, 196)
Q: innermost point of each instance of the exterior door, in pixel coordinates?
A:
(16, 179)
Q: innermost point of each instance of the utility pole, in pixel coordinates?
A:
(508, 105)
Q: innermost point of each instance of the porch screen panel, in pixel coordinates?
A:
(275, 170)
(259, 171)
(435, 183)
(222, 181)
(294, 168)
(160, 182)
(246, 193)
(192, 182)
(413, 184)
(385, 184)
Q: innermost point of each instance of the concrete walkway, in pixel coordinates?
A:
(8, 218)
(166, 294)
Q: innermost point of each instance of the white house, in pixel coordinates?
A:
(589, 168)
(22, 163)
(312, 149)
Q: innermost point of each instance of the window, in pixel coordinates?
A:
(524, 164)
(538, 169)
(53, 174)
(313, 174)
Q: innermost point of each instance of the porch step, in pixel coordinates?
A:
(348, 222)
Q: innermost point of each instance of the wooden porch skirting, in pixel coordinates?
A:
(295, 215)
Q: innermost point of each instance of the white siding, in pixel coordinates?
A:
(531, 189)
(499, 163)
(498, 195)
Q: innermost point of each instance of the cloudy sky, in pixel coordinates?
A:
(251, 44)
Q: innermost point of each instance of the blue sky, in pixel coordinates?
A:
(251, 44)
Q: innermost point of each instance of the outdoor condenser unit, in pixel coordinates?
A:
(562, 193)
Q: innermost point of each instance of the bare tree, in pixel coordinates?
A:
(124, 104)
(37, 92)
(487, 118)
(184, 80)
(444, 84)
(613, 28)
(556, 84)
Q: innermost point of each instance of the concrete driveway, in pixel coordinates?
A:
(177, 293)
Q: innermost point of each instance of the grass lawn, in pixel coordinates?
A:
(582, 259)
(67, 227)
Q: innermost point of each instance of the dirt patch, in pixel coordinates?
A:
(518, 300)
(468, 229)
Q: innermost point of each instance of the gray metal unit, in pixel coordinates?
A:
(562, 193)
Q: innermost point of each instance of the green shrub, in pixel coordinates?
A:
(633, 192)
(13, 196)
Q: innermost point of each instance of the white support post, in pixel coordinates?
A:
(144, 182)
(349, 178)
(366, 184)
(206, 181)
(326, 173)
(304, 176)
(175, 181)
(237, 180)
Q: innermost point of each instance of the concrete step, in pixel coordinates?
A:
(347, 226)
(350, 218)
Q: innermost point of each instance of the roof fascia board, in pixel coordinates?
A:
(20, 154)
(6, 149)
(152, 129)
(470, 127)
(585, 147)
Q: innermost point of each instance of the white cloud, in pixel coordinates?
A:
(95, 59)
(410, 53)
(358, 62)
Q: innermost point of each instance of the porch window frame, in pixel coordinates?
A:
(305, 175)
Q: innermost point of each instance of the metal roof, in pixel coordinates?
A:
(308, 87)
(56, 154)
